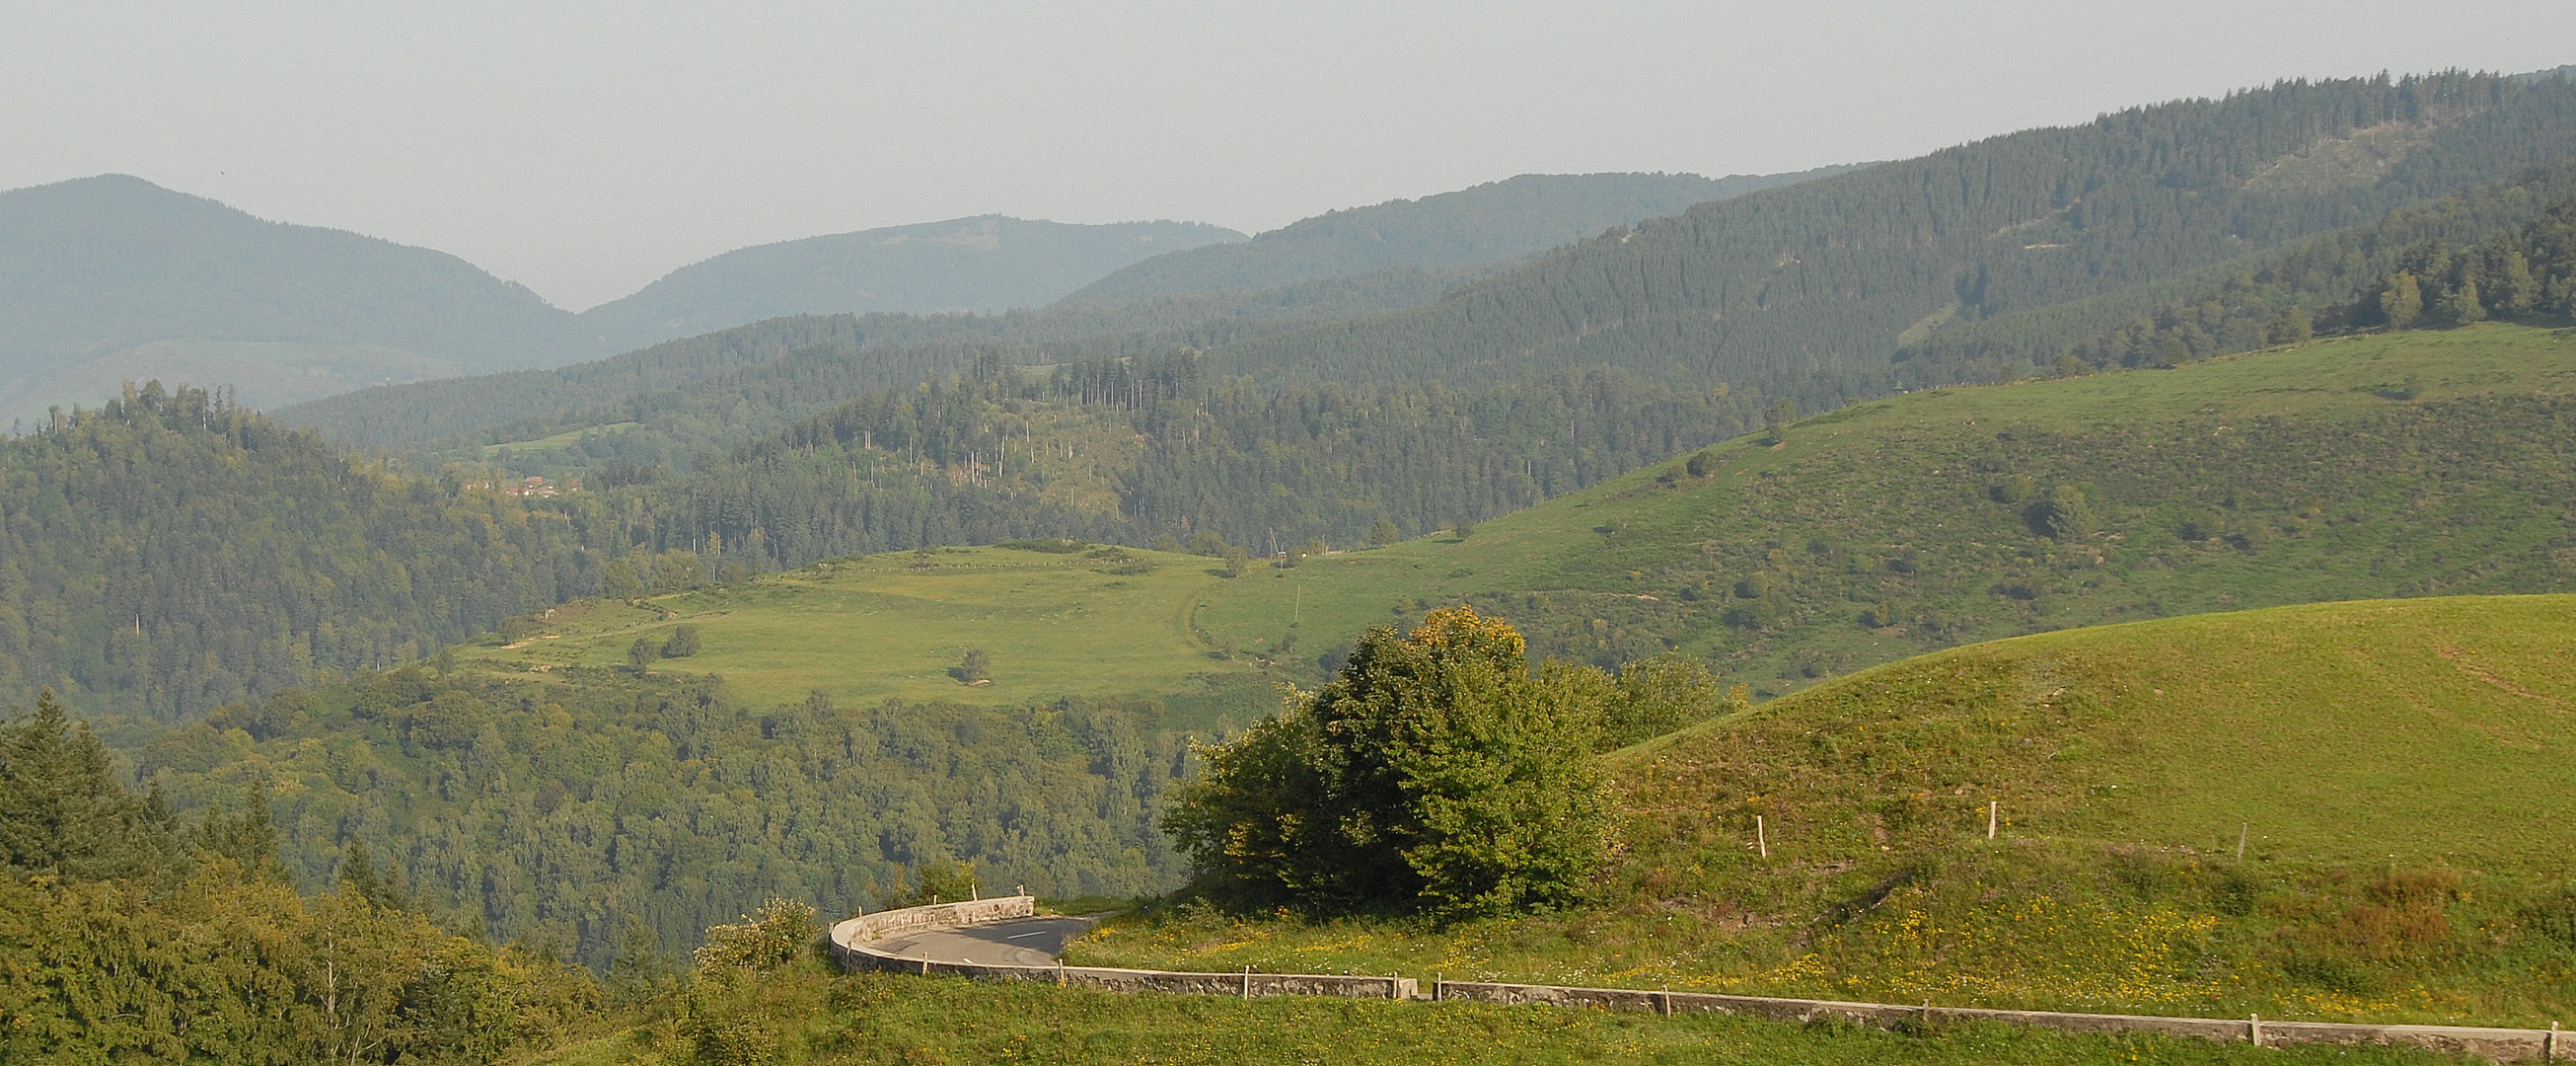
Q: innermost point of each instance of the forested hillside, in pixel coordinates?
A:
(563, 809)
(1809, 289)
(722, 389)
(1129, 451)
(986, 263)
(129, 934)
(2321, 285)
(393, 416)
(1493, 222)
(169, 552)
(95, 267)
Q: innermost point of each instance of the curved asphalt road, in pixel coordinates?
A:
(1018, 942)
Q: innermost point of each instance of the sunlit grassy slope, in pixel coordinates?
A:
(2405, 464)
(1053, 624)
(2403, 773)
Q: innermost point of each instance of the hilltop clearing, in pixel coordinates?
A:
(1079, 622)
(2396, 771)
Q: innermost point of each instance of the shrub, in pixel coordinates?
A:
(783, 929)
(682, 644)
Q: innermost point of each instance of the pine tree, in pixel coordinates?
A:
(62, 812)
(2401, 301)
(247, 836)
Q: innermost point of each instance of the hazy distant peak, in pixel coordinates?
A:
(1496, 221)
(979, 263)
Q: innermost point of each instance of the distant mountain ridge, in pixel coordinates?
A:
(95, 267)
(1495, 221)
(110, 279)
(1812, 290)
(983, 263)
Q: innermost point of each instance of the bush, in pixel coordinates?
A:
(682, 644)
(782, 930)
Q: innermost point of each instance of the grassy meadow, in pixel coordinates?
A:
(1109, 622)
(2399, 771)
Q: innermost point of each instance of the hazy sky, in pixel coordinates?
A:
(585, 149)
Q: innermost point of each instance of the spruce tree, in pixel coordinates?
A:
(62, 812)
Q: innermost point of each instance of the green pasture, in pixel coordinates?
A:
(891, 626)
(559, 441)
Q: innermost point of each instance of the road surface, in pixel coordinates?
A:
(1017, 942)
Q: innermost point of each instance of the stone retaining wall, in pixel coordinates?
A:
(852, 940)
(851, 945)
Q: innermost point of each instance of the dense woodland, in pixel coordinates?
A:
(170, 552)
(2326, 285)
(132, 935)
(723, 388)
(561, 812)
(1268, 469)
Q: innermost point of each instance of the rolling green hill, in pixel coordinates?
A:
(1809, 290)
(2395, 770)
(2397, 464)
(985, 263)
(1493, 222)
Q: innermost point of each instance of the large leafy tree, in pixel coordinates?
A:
(1435, 773)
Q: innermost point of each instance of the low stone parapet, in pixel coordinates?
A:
(2498, 1045)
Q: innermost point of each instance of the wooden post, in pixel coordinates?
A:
(1247, 982)
(1759, 840)
(1990, 819)
(1439, 979)
(2549, 1044)
(2254, 1029)
(2242, 828)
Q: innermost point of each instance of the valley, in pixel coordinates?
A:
(2120, 566)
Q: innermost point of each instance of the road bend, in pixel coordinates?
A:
(1017, 942)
